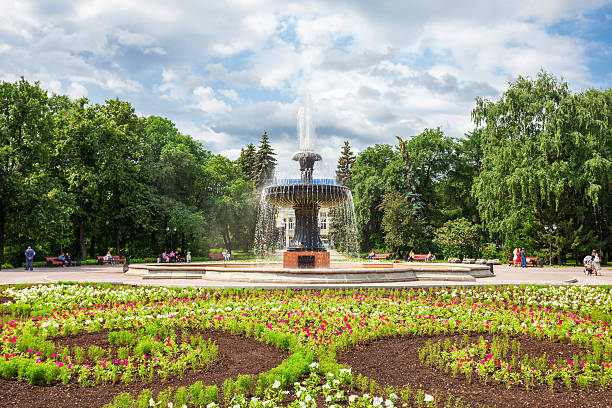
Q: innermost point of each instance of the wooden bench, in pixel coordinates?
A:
(419, 257)
(101, 260)
(531, 261)
(54, 261)
(379, 256)
(216, 256)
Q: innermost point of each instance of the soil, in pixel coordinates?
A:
(395, 362)
(237, 355)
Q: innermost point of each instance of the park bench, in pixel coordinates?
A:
(380, 256)
(531, 261)
(419, 257)
(101, 260)
(217, 256)
(54, 261)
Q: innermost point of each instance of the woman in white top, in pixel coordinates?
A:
(596, 263)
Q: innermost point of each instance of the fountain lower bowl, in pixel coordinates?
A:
(290, 195)
(337, 273)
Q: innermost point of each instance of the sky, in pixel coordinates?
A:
(226, 71)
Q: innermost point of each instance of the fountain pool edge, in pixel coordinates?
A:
(351, 273)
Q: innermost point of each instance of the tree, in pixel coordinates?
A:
(77, 133)
(265, 163)
(248, 161)
(427, 158)
(25, 143)
(404, 229)
(345, 163)
(121, 155)
(458, 239)
(546, 157)
(376, 170)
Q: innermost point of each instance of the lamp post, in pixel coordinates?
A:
(166, 240)
(173, 230)
(550, 231)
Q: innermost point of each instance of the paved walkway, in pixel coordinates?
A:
(114, 274)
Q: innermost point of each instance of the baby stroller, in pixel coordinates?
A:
(588, 265)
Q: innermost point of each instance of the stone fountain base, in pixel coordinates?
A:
(337, 273)
(305, 259)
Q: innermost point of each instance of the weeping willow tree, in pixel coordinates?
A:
(546, 165)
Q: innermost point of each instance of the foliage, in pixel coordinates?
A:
(546, 157)
(81, 178)
(345, 163)
(265, 163)
(404, 230)
(458, 239)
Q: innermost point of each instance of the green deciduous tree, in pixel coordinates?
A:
(25, 141)
(458, 239)
(547, 157)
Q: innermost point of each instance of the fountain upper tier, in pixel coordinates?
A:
(295, 195)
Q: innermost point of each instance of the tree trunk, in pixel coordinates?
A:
(82, 242)
(154, 242)
(117, 242)
(92, 246)
(183, 242)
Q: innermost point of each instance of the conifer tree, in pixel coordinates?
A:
(247, 161)
(345, 162)
(265, 163)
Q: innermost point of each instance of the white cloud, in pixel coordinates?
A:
(207, 101)
(226, 71)
(230, 94)
(76, 90)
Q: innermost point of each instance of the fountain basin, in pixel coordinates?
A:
(337, 273)
(292, 195)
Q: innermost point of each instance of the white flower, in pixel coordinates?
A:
(276, 384)
(211, 405)
(352, 398)
(313, 365)
(428, 398)
(388, 403)
(308, 398)
(151, 402)
(377, 401)
(345, 371)
(170, 405)
(328, 398)
(393, 396)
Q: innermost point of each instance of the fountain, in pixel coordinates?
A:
(306, 260)
(306, 198)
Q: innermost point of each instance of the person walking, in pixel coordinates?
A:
(29, 255)
(523, 256)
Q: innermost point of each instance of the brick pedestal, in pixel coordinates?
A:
(291, 259)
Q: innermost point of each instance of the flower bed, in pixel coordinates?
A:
(114, 341)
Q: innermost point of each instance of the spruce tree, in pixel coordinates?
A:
(345, 162)
(265, 163)
(247, 161)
